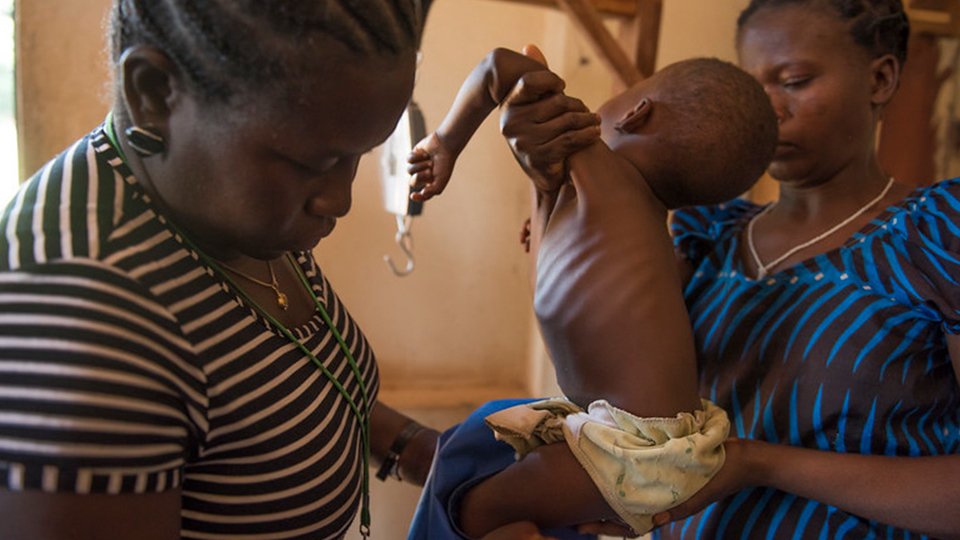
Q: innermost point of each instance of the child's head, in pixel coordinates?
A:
(701, 131)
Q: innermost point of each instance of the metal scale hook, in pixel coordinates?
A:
(395, 182)
(404, 239)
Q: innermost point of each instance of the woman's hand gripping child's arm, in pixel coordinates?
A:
(432, 160)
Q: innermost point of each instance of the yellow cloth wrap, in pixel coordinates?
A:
(642, 466)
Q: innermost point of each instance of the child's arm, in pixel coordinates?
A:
(432, 159)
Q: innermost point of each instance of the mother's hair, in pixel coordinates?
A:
(880, 26)
(226, 47)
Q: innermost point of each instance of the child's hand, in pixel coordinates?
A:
(430, 164)
(739, 472)
(525, 235)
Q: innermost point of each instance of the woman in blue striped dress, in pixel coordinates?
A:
(826, 323)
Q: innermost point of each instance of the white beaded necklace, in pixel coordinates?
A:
(764, 269)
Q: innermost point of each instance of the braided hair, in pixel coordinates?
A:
(879, 26)
(227, 46)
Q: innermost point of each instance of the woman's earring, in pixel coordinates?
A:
(146, 141)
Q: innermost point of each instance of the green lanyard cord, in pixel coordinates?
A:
(363, 417)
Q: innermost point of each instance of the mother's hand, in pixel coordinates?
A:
(543, 126)
(740, 470)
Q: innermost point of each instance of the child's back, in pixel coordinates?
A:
(608, 296)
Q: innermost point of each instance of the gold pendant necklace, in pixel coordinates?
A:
(282, 301)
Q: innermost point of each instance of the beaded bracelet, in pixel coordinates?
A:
(391, 465)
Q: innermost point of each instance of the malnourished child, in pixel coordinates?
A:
(608, 296)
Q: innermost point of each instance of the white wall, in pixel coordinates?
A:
(457, 327)
(62, 75)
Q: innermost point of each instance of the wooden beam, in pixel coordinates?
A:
(647, 22)
(937, 17)
(585, 16)
(941, 5)
(623, 8)
(646, 15)
(908, 138)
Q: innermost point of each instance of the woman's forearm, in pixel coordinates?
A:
(921, 494)
(416, 456)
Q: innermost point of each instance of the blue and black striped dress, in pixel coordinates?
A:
(844, 352)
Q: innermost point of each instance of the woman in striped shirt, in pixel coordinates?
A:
(173, 363)
(825, 323)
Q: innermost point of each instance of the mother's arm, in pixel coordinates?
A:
(543, 130)
(921, 494)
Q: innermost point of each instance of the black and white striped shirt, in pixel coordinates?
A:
(128, 366)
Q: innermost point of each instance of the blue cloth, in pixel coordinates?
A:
(466, 454)
(843, 352)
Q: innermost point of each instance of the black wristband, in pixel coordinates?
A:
(391, 464)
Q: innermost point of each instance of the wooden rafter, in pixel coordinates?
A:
(586, 15)
(937, 17)
(647, 24)
(626, 8)
(586, 18)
